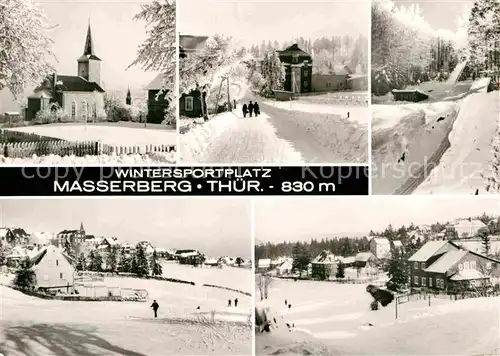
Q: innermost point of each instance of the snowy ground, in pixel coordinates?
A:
(111, 135)
(32, 326)
(412, 131)
(136, 159)
(469, 159)
(337, 316)
(307, 133)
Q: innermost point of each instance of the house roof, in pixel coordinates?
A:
(36, 259)
(157, 83)
(190, 43)
(264, 263)
(364, 256)
(347, 260)
(381, 240)
(294, 50)
(468, 274)
(325, 257)
(341, 69)
(397, 243)
(447, 261)
(469, 223)
(428, 250)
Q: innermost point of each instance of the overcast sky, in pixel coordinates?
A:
(440, 14)
(216, 227)
(252, 21)
(279, 220)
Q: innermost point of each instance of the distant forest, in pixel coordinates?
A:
(326, 52)
(349, 246)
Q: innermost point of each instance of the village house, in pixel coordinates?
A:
(53, 269)
(213, 262)
(73, 236)
(80, 96)
(14, 236)
(285, 268)
(465, 228)
(324, 266)
(263, 265)
(157, 103)
(191, 105)
(444, 265)
(189, 257)
(298, 69)
(382, 248)
(366, 264)
(336, 80)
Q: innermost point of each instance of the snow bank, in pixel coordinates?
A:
(144, 159)
(463, 166)
(195, 142)
(387, 116)
(110, 135)
(357, 114)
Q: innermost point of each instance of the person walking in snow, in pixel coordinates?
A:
(245, 110)
(250, 108)
(229, 302)
(235, 302)
(155, 307)
(289, 306)
(256, 109)
(286, 303)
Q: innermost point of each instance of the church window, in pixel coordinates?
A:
(84, 110)
(73, 110)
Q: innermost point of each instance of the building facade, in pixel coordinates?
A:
(81, 96)
(298, 69)
(53, 269)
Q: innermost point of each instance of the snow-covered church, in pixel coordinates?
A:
(80, 96)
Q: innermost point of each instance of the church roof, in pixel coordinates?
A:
(88, 51)
(75, 83)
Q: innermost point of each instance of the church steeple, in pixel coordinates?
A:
(89, 45)
(128, 99)
(81, 227)
(89, 64)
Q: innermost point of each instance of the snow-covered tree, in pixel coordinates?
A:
(81, 263)
(25, 45)
(484, 34)
(156, 269)
(140, 265)
(205, 70)
(95, 261)
(273, 72)
(124, 264)
(158, 52)
(112, 259)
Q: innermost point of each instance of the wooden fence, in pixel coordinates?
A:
(20, 145)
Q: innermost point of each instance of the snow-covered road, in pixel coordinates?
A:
(278, 136)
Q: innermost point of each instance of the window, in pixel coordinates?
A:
(466, 265)
(430, 282)
(460, 267)
(472, 264)
(73, 110)
(422, 265)
(488, 265)
(415, 265)
(189, 103)
(57, 262)
(306, 73)
(295, 58)
(61, 276)
(415, 279)
(424, 279)
(45, 277)
(84, 110)
(305, 83)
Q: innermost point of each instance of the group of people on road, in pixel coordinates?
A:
(251, 108)
(235, 302)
